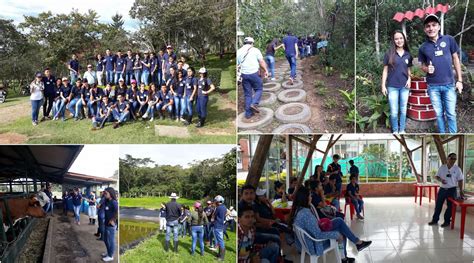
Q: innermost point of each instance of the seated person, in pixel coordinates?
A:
(319, 174)
(302, 216)
(248, 251)
(352, 192)
(331, 193)
(318, 200)
(280, 191)
(103, 115)
(293, 182)
(120, 111)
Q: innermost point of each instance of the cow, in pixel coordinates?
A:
(20, 208)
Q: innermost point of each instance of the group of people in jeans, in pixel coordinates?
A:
(135, 88)
(206, 224)
(438, 54)
(317, 198)
(103, 208)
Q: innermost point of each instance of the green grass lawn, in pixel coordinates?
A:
(152, 249)
(14, 101)
(151, 202)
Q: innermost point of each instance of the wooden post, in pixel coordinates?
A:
(308, 159)
(330, 145)
(403, 142)
(259, 159)
(290, 162)
(461, 151)
(439, 147)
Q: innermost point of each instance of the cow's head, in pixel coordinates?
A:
(34, 207)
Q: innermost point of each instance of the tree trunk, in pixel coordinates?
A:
(259, 159)
(376, 20)
(462, 28)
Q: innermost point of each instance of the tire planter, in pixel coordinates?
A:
(419, 103)
(265, 117)
(271, 86)
(268, 98)
(293, 112)
(297, 84)
(300, 128)
(292, 95)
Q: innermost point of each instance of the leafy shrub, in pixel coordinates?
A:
(215, 75)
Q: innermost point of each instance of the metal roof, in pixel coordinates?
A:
(410, 15)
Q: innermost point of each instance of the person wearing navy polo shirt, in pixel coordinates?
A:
(77, 203)
(142, 100)
(104, 114)
(73, 67)
(145, 69)
(49, 92)
(250, 62)
(205, 87)
(131, 97)
(137, 68)
(159, 57)
(96, 95)
(438, 54)
(290, 44)
(74, 98)
(396, 76)
(178, 91)
(99, 69)
(153, 98)
(57, 97)
(109, 66)
(128, 67)
(335, 168)
(169, 53)
(219, 226)
(352, 192)
(84, 101)
(354, 170)
(119, 67)
(121, 111)
(189, 95)
(173, 211)
(153, 67)
(111, 217)
(165, 102)
(65, 97)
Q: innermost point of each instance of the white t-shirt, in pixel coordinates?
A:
(36, 90)
(250, 64)
(90, 76)
(456, 175)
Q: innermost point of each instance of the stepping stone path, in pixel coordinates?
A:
(285, 106)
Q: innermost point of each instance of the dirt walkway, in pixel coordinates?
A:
(12, 113)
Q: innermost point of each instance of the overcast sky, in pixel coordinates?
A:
(15, 9)
(176, 154)
(97, 160)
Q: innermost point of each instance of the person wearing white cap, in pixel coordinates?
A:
(437, 55)
(205, 87)
(173, 211)
(219, 226)
(249, 62)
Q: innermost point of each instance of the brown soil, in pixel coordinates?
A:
(292, 110)
(255, 118)
(292, 94)
(12, 138)
(12, 113)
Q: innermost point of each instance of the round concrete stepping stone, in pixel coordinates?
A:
(293, 112)
(292, 95)
(257, 121)
(296, 84)
(268, 98)
(271, 86)
(292, 128)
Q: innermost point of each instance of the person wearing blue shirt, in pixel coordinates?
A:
(101, 217)
(437, 55)
(396, 80)
(160, 67)
(335, 168)
(95, 97)
(142, 100)
(99, 69)
(145, 69)
(169, 53)
(137, 68)
(77, 202)
(189, 95)
(153, 98)
(73, 67)
(104, 114)
(352, 192)
(129, 67)
(84, 101)
(205, 87)
(219, 225)
(110, 218)
(290, 44)
(65, 98)
(74, 98)
(162, 216)
(167, 74)
(119, 67)
(109, 66)
(153, 68)
(178, 92)
(49, 94)
(354, 170)
(121, 111)
(165, 102)
(57, 97)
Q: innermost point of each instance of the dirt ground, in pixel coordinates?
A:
(325, 101)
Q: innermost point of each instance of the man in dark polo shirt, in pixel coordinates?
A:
(290, 43)
(119, 67)
(49, 84)
(354, 170)
(73, 67)
(335, 168)
(173, 211)
(437, 55)
(109, 67)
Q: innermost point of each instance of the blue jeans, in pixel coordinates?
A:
(335, 203)
(159, 76)
(138, 75)
(56, 105)
(219, 235)
(172, 225)
(253, 88)
(35, 107)
(183, 227)
(209, 232)
(443, 99)
(145, 75)
(340, 226)
(188, 106)
(358, 204)
(109, 240)
(128, 76)
(197, 232)
(73, 77)
(121, 117)
(93, 108)
(443, 195)
(80, 105)
(109, 76)
(101, 227)
(160, 105)
(201, 106)
(73, 107)
(77, 212)
(271, 64)
(292, 62)
(178, 105)
(270, 252)
(61, 108)
(301, 50)
(118, 75)
(150, 110)
(397, 100)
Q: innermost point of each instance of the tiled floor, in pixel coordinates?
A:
(400, 233)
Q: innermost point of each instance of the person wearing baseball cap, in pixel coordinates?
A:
(197, 221)
(437, 55)
(173, 211)
(36, 97)
(249, 63)
(219, 226)
(204, 88)
(169, 53)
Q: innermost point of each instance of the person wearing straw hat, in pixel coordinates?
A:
(173, 211)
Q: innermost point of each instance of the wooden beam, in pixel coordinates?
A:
(315, 139)
(403, 142)
(461, 152)
(439, 146)
(259, 159)
(450, 138)
(290, 163)
(306, 143)
(330, 145)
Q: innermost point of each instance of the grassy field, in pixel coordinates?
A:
(219, 128)
(152, 249)
(151, 202)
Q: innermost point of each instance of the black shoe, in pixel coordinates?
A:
(116, 125)
(432, 223)
(167, 245)
(445, 224)
(363, 245)
(348, 260)
(176, 246)
(254, 108)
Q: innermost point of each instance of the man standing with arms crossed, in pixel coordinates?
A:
(437, 55)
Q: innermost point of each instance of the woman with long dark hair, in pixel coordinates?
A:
(270, 55)
(396, 80)
(302, 216)
(111, 215)
(197, 220)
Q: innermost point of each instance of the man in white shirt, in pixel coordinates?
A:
(450, 176)
(90, 75)
(249, 61)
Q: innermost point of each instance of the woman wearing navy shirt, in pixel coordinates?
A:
(177, 89)
(153, 97)
(65, 98)
(396, 80)
(137, 68)
(142, 99)
(131, 97)
(99, 69)
(77, 202)
(145, 68)
(111, 215)
(153, 68)
(96, 95)
(85, 97)
(205, 87)
(56, 97)
(189, 95)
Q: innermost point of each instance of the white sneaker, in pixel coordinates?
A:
(151, 119)
(182, 119)
(273, 79)
(107, 259)
(402, 132)
(34, 123)
(213, 248)
(145, 116)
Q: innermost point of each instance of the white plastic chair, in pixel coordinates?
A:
(300, 234)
